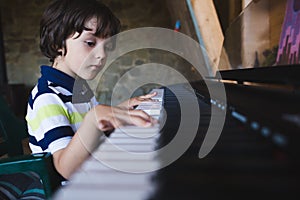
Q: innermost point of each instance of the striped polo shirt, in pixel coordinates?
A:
(56, 108)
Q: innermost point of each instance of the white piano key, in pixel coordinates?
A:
(125, 155)
(112, 177)
(127, 147)
(156, 116)
(136, 129)
(150, 110)
(93, 165)
(154, 104)
(150, 104)
(136, 166)
(136, 132)
(137, 135)
(103, 166)
(145, 141)
(95, 193)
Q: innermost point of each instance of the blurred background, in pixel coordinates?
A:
(250, 31)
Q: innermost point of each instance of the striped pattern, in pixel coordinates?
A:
(52, 116)
(21, 186)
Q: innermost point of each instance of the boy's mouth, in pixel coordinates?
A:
(96, 66)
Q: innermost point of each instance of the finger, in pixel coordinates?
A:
(140, 121)
(119, 117)
(136, 101)
(150, 95)
(144, 116)
(123, 117)
(140, 113)
(135, 117)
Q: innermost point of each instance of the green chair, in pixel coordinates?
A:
(12, 132)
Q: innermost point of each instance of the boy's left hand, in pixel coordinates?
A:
(135, 101)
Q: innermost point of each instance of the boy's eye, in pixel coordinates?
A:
(90, 43)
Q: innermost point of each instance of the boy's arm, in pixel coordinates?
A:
(87, 138)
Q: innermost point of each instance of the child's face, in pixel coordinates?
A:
(86, 54)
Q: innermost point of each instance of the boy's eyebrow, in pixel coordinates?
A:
(89, 31)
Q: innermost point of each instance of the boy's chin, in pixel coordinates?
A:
(88, 77)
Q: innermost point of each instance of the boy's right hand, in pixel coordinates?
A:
(108, 118)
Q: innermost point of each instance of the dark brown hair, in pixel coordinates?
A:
(63, 18)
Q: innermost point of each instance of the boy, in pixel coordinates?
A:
(74, 35)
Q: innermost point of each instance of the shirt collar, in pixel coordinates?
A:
(58, 77)
(79, 88)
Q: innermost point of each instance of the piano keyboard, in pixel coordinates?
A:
(121, 167)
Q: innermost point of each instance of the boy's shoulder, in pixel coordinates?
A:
(48, 92)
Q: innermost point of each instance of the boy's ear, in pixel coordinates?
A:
(60, 52)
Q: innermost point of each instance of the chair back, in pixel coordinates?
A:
(12, 131)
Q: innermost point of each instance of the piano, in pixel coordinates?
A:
(255, 157)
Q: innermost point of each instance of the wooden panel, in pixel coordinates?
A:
(210, 29)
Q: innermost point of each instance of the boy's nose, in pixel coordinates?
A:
(100, 54)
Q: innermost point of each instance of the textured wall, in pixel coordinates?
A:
(20, 22)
